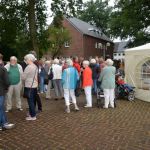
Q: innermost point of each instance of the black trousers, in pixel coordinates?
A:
(38, 102)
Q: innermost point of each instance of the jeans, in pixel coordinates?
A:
(58, 87)
(3, 118)
(94, 88)
(42, 86)
(31, 101)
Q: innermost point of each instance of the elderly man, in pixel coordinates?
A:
(14, 72)
(69, 79)
(57, 79)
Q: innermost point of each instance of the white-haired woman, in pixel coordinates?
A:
(30, 76)
(107, 79)
(57, 79)
(14, 72)
(69, 79)
(87, 83)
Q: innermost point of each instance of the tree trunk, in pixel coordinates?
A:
(32, 26)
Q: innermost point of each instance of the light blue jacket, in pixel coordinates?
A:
(107, 77)
(69, 78)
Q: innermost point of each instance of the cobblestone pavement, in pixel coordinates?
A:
(126, 127)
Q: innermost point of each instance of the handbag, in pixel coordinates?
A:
(27, 91)
(50, 75)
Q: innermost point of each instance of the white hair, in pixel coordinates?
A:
(109, 62)
(86, 62)
(47, 62)
(30, 57)
(56, 61)
(13, 58)
(93, 61)
(69, 62)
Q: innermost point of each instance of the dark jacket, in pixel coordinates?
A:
(4, 81)
(95, 71)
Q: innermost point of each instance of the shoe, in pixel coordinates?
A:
(105, 107)
(39, 111)
(9, 126)
(9, 110)
(86, 106)
(67, 110)
(19, 109)
(1, 129)
(30, 118)
(56, 99)
(47, 98)
(77, 109)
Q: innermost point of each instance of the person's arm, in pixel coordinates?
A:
(101, 76)
(6, 79)
(25, 74)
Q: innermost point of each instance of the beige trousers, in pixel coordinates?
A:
(16, 91)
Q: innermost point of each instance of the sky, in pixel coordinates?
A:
(49, 19)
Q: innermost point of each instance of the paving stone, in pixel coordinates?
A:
(126, 127)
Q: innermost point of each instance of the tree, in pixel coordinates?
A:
(58, 37)
(61, 8)
(130, 19)
(23, 25)
(96, 13)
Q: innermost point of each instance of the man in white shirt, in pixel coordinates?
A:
(57, 79)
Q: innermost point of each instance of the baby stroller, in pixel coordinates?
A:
(100, 96)
(124, 91)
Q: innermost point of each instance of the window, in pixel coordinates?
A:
(145, 70)
(123, 54)
(67, 44)
(143, 75)
(96, 45)
(119, 54)
(115, 54)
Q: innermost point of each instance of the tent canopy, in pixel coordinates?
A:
(139, 48)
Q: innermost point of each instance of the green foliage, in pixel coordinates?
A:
(14, 26)
(96, 13)
(57, 39)
(68, 8)
(131, 19)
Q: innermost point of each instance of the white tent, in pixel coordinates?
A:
(137, 69)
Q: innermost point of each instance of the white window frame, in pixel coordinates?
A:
(67, 44)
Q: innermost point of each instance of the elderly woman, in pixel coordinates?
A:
(107, 79)
(87, 83)
(69, 79)
(30, 76)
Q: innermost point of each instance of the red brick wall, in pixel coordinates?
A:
(90, 50)
(76, 45)
(83, 45)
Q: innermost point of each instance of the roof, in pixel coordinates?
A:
(121, 46)
(88, 29)
(140, 48)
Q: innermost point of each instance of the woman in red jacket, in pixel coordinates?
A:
(87, 83)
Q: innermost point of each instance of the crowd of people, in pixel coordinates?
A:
(67, 76)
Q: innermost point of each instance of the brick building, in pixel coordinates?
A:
(86, 40)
